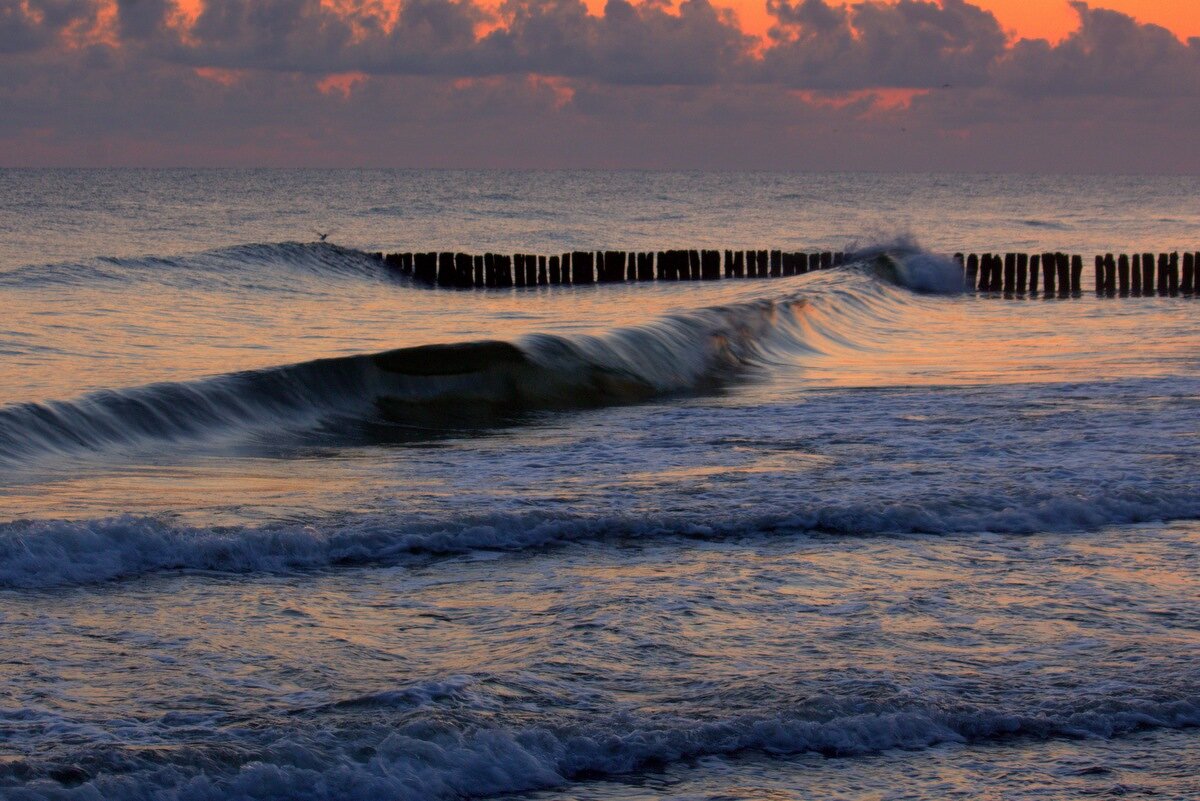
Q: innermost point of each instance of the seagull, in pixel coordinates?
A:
(321, 237)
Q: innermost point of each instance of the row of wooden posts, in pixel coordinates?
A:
(1008, 273)
(465, 270)
(1139, 274)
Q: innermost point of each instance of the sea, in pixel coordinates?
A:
(853, 534)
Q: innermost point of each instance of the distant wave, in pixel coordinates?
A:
(432, 757)
(244, 266)
(54, 553)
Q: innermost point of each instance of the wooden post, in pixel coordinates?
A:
(1099, 275)
(826, 260)
(1110, 275)
(1010, 273)
(543, 276)
(710, 265)
(504, 276)
(581, 267)
(1063, 265)
(1035, 264)
(751, 263)
(645, 267)
(519, 270)
(1173, 275)
(1162, 273)
(972, 271)
(478, 271)
(776, 263)
(985, 272)
(462, 270)
(1123, 274)
(801, 263)
(1077, 275)
(1189, 273)
(839, 258)
(1022, 272)
(729, 264)
(739, 264)
(566, 268)
(1049, 273)
(1147, 273)
(1136, 275)
(555, 271)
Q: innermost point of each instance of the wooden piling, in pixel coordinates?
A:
(729, 264)
(1076, 275)
(839, 258)
(555, 270)
(504, 277)
(1147, 273)
(1173, 275)
(1110, 275)
(826, 260)
(477, 271)
(645, 266)
(776, 263)
(1010, 273)
(1123, 274)
(801, 263)
(1189, 273)
(543, 273)
(972, 272)
(1162, 274)
(1049, 274)
(1062, 263)
(581, 267)
(985, 272)
(1099, 281)
(1022, 272)
(739, 264)
(1035, 265)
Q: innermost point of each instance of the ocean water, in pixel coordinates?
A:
(845, 535)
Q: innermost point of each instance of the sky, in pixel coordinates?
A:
(810, 85)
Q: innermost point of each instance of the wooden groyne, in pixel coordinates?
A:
(1008, 274)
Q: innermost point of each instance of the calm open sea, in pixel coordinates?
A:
(821, 537)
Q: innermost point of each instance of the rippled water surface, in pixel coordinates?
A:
(820, 537)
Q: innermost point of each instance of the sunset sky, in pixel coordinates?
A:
(1027, 85)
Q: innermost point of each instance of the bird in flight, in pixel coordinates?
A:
(321, 237)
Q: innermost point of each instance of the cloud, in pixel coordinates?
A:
(1110, 54)
(913, 84)
(911, 43)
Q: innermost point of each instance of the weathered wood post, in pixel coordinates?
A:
(1022, 272)
(463, 270)
(1099, 275)
(445, 269)
(581, 267)
(1049, 273)
(645, 266)
(543, 276)
(729, 264)
(776, 263)
(826, 260)
(477, 277)
(1077, 275)
(985, 272)
(1063, 263)
(555, 270)
(801, 263)
(1173, 275)
(1136, 274)
(1110, 275)
(1189, 274)
(710, 265)
(518, 269)
(1010, 273)
(1123, 274)
(693, 265)
(972, 271)
(1035, 264)
(1162, 273)
(739, 264)
(1147, 273)
(789, 263)
(839, 258)
(504, 277)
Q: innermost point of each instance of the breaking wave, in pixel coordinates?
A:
(430, 757)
